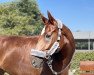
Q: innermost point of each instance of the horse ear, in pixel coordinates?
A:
(44, 19)
(51, 19)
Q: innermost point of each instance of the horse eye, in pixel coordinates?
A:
(47, 36)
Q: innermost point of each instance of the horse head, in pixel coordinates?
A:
(55, 44)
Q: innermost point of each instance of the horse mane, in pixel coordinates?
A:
(66, 31)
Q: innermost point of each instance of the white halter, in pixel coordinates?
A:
(54, 46)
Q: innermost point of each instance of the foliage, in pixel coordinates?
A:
(20, 18)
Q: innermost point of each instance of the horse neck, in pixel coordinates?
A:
(66, 31)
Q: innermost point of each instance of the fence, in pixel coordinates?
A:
(80, 56)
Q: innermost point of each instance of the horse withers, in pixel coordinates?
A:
(55, 48)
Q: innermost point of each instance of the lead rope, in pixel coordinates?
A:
(50, 66)
(53, 71)
(49, 62)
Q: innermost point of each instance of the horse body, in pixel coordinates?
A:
(15, 54)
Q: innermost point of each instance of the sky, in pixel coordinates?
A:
(2, 1)
(78, 15)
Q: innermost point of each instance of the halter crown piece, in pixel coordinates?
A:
(52, 50)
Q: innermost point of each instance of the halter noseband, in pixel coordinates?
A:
(51, 51)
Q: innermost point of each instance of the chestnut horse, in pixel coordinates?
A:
(33, 55)
(55, 48)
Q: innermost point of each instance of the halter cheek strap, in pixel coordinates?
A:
(43, 30)
(60, 26)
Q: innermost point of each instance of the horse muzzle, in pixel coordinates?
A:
(37, 62)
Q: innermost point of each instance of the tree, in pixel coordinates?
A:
(20, 18)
